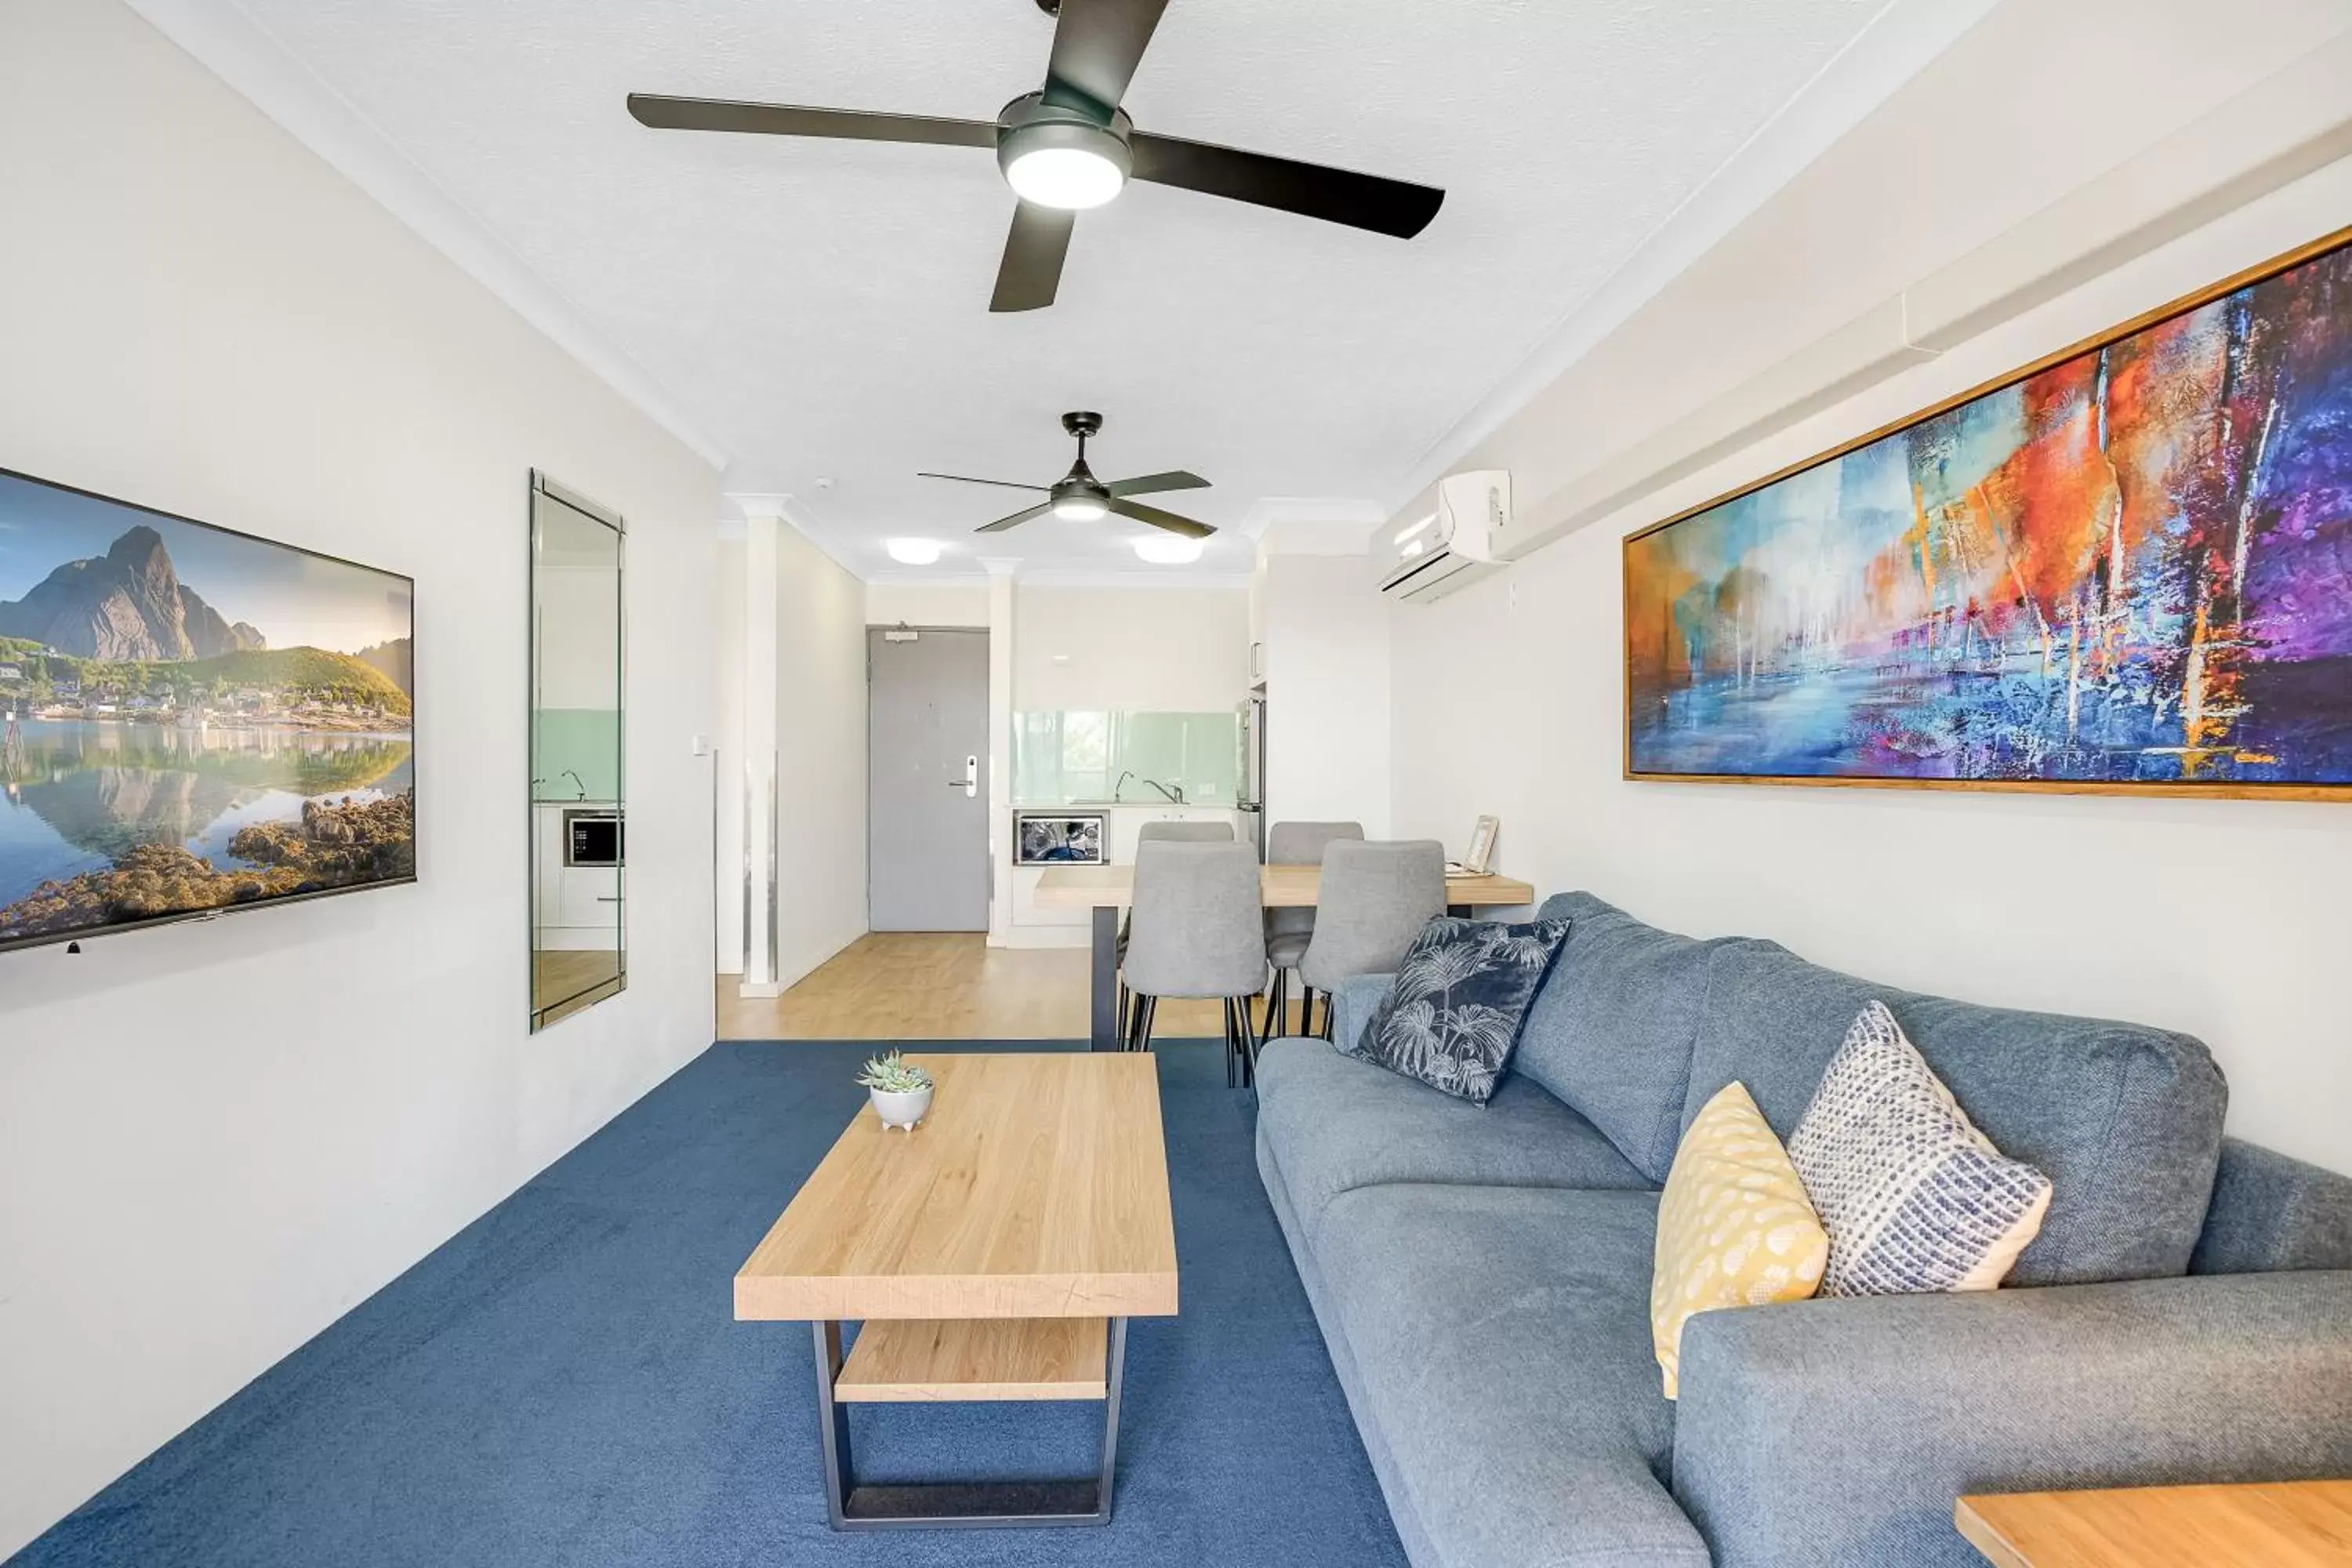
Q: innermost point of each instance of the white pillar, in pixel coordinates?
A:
(1000, 748)
(763, 516)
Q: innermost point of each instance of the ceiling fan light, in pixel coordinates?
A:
(1168, 549)
(1055, 158)
(1070, 178)
(912, 552)
(1081, 508)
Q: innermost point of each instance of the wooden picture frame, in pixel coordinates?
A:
(1479, 856)
(1684, 657)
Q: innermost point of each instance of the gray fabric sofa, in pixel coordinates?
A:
(1482, 1275)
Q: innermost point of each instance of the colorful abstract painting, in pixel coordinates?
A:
(2130, 569)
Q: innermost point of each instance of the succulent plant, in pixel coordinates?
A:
(893, 1074)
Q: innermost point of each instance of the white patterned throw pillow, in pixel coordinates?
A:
(1914, 1197)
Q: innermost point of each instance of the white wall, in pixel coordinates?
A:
(927, 604)
(216, 1138)
(730, 785)
(820, 752)
(1945, 892)
(1174, 649)
(819, 725)
(1326, 670)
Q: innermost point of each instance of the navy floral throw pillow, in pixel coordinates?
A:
(1461, 994)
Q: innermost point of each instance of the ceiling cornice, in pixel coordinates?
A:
(1898, 42)
(1171, 578)
(223, 39)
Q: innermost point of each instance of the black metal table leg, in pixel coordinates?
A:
(1105, 1035)
(960, 1505)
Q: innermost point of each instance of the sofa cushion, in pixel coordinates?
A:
(1611, 1033)
(1501, 1339)
(1736, 1227)
(1460, 996)
(2126, 1121)
(1914, 1197)
(2271, 1213)
(1334, 1123)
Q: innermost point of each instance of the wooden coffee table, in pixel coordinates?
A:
(994, 1253)
(2285, 1524)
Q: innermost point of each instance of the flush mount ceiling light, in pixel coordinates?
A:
(1168, 550)
(913, 551)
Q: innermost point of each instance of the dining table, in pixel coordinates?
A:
(1107, 889)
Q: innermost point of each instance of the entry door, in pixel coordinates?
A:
(926, 767)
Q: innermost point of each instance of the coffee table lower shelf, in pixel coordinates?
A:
(912, 1361)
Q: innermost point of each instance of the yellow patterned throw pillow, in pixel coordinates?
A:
(1735, 1227)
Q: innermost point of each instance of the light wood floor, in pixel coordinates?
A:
(559, 973)
(948, 985)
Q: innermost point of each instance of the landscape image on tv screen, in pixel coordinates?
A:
(191, 720)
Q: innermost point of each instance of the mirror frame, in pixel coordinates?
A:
(541, 484)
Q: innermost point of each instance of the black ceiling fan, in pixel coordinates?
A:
(1070, 146)
(1079, 497)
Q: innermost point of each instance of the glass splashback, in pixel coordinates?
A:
(1066, 757)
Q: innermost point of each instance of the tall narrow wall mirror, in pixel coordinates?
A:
(579, 947)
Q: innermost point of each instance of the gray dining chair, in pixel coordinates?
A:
(1286, 931)
(1160, 833)
(1197, 933)
(1372, 901)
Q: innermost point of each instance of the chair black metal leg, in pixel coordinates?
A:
(1277, 1004)
(1249, 1050)
(1305, 1007)
(1146, 1011)
(1230, 1046)
(1126, 1000)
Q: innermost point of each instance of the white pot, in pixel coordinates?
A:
(901, 1109)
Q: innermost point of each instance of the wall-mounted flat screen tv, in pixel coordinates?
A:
(193, 720)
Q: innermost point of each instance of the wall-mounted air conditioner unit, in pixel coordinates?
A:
(1452, 547)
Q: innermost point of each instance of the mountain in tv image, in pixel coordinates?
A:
(167, 749)
(127, 604)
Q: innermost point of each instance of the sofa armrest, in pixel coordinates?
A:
(1841, 1432)
(1353, 1006)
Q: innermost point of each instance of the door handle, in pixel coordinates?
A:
(970, 783)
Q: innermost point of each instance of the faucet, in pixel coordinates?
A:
(1120, 785)
(1175, 796)
(577, 780)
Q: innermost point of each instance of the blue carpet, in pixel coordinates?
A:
(563, 1383)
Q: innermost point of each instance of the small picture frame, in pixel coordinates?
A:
(1481, 853)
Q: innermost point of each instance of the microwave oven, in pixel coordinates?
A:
(1058, 838)
(591, 836)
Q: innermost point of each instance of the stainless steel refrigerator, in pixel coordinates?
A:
(1250, 799)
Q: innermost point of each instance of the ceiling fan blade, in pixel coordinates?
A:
(1152, 484)
(1097, 44)
(968, 480)
(1336, 195)
(1158, 518)
(1032, 269)
(666, 113)
(1001, 524)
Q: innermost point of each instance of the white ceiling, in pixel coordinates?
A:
(818, 309)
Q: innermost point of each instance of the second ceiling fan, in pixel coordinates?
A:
(1079, 497)
(1070, 146)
